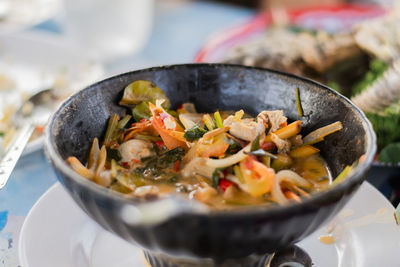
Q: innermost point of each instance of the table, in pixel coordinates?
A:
(172, 41)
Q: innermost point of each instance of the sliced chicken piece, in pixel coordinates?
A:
(205, 194)
(296, 141)
(247, 129)
(273, 118)
(282, 145)
(229, 120)
(134, 150)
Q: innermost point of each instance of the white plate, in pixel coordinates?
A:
(21, 14)
(57, 233)
(36, 60)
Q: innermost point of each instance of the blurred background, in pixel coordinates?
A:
(351, 46)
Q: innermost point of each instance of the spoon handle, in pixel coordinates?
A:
(14, 152)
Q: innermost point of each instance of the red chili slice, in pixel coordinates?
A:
(176, 166)
(268, 146)
(159, 144)
(224, 184)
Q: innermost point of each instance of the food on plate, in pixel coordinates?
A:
(224, 159)
(362, 63)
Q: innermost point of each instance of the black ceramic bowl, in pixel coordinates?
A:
(220, 234)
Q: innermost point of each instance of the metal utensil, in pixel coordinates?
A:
(33, 112)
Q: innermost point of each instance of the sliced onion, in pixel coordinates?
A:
(235, 180)
(190, 119)
(229, 161)
(319, 134)
(288, 176)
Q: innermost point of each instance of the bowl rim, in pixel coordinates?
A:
(357, 176)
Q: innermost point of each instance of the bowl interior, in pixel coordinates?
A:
(225, 87)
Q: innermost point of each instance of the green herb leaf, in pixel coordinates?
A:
(298, 102)
(233, 148)
(217, 174)
(255, 145)
(2, 134)
(194, 133)
(390, 154)
(156, 165)
(113, 154)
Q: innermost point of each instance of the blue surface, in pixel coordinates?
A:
(32, 176)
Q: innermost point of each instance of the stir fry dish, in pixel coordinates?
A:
(224, 159)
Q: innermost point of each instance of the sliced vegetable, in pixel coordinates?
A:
(177, 165)
(124, 121)
(146, 137)
(131, 180)
(228, 161)
(268, 146)
(111, 129)
(143, 91)
(208, 122)
(215, 132)
(218, 120)
(172, 137)
(238, 115)
(224, 184)
(141, 111)
(303, 151)
(78, 167)
(114, 168)
(342, 176)
(144, 126)
(292, 196)
(266, 161)
(290, 177)
(216, 148)
(282, 161)
(258, 178)
(319, 134)
(238, 173)
(255, 145)
(298, 103)
(93, 154)
(216, 176)
(286, 132)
